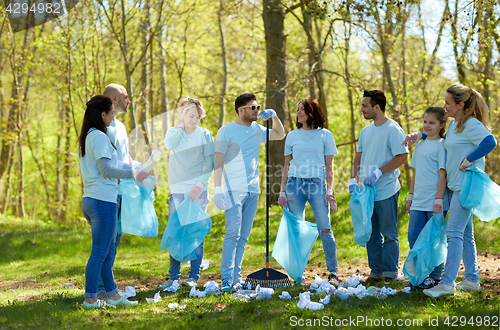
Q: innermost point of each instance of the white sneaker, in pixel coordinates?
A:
(439, 290)
(467, 285)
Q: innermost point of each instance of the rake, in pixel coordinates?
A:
(268, 277)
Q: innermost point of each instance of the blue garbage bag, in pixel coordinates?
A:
(186, 230)
(429, 251)
(480, 193)
(138, 215)
(294, 243)
(362, 205)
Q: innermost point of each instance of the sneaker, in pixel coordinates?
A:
(373, 280)
(333, 278)
(226, 286)
(122, 302)
(467, 285)
(102, 295)
(97, 304)
(428, 283)
(167, 284)
(439, 290)
(190, 282)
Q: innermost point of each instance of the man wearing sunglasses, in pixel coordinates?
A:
(237, 150)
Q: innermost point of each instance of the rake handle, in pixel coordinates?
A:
(267, 193)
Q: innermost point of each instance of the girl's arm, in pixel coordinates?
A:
(438, 202)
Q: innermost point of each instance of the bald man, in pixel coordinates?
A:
(118, 135)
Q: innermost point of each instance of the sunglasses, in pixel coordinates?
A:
(253, 107)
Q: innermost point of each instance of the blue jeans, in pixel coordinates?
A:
(239, 221)
(383, 246)
(175, 266)
(102, 219)
(461, 243)
(313, 190)
(114, 246)
(418, 220)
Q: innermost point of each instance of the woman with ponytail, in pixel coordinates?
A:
(100, 171)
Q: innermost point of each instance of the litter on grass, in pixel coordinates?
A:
(155, 299)
(69, 286)
(176, 306)
(219, 307)
(354, 280)
(285, 295)
(305, 302)
(129, 292)
(210, 288)
(174, 287)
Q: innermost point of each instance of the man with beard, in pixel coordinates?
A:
(377, 162)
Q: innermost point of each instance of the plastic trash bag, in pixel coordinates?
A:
(294, 243)
(186, 230)
(429, 250)
(480, 193)
(362, 205)
(138, 216)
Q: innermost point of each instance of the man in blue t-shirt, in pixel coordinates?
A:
(237, 150)
(117, 134)
(377, 161)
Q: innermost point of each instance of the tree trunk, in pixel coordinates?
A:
(225, 65)
(59, 169)
(276, 84)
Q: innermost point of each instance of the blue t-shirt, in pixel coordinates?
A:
(241, 147)
(118, 135)
(380, 144)
(97, 146)
(460, 145)
(187, 159)
(308, 149)
(428, 158)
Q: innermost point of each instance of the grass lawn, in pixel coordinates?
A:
(37, 258)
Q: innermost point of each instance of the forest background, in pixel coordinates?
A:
(283, 51)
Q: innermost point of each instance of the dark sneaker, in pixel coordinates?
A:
(428, 283)
(333, 278)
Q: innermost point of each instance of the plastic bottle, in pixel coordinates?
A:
(341, 295)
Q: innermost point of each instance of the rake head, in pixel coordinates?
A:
(268, 278)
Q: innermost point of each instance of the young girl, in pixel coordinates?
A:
(309, 152)
(189, 168)
(428, 186)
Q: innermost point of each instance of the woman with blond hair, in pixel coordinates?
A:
(467, 141)
(189, 168)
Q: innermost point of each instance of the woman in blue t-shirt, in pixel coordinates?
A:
(189, 168)
(309, 152)
(100, 171)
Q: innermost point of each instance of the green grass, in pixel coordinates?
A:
(37, 258)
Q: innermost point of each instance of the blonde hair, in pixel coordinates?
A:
(189, 102)
(474, 105)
